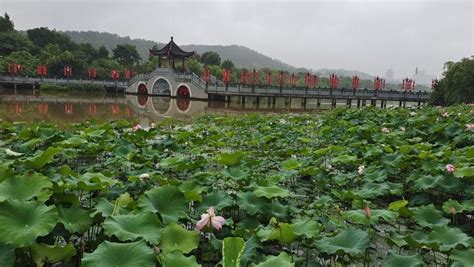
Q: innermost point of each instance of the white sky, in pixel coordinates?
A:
(369, 36)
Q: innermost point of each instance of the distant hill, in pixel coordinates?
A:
(241, 56)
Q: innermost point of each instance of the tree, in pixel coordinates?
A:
(89, 51)
(56, 64)
(43, 36)
(6, 24)
(25, 59)
(227, 64)
(126, 54)
(105, 66)
(211, 58)
(13, 41)
(457, 84)
(103, 52)
(194, 66)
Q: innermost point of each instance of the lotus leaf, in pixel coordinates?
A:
(120, 254)
(168, 201)
(351, 241)
(43, 253)
(131, 227)
(282, 260)
(26, 187)
(232, 250)
(429, 216)
(176, 258)
(175, 237)
(394, 260)
(22, 222)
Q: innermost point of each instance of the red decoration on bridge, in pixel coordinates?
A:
(355, 82)
(115, 74)
(43, 108)
(244, 77)
(67, 71)
(226, 76)
(14, 69)
(206, 75)
(293, 79)
(91, 73)
(378, 83)
(281, 79)
(41, 70)
(333, 81)
(408, 84)
(269, 79)
(129, 74)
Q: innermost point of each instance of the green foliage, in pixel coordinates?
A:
(232, 250)
(25, 59)
(457, 85)
(6, 24)
(211, 58)
(40, 37)
(194, 66)
(120, 254)
(12, 41)
(227, 64)
(126, 54)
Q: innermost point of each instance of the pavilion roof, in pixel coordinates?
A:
(171, 50)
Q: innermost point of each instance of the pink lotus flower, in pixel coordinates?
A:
(136, 127)
(367, 211)
(385, 130)
(450, 168)
(210, 219)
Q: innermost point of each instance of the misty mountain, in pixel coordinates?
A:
(241, 56)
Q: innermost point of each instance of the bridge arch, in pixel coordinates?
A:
(161, 86)
(161, 105)
(183, 90)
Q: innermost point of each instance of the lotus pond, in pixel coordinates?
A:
(358, 187)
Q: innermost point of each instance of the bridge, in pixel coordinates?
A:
(35, 83)
(166, 82)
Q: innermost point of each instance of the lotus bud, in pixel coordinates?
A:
(367, 211)
(450, 168)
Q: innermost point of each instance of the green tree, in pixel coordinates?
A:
(457, 84)
(41, 37)
(89, 51)
(211, 58)
(105, 66)
(57, 62)
(126, 54)
(13, 41)
(103, 52)
(227, 64)
(194, 66)
(25, 59)
(6, 24)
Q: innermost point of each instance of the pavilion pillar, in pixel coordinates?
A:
(183, 64)
(159, 61)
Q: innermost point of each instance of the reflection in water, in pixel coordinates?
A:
(138, 108)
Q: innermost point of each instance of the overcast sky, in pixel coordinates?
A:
(369, 36)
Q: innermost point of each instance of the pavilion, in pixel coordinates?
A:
(172, 52)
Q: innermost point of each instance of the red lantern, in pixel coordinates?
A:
(269, 79)
(67, 71)
(115, 74)
(91, 73)
(206, 75)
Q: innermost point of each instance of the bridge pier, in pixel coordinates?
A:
(373, 102)
(358, 103)
(333, 102)
(303, 103)
(288, 102)
(318, 103)
(349, 102)
(364, 102)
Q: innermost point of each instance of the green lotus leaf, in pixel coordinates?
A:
(230, 158)
(351, 241)
(26, 187)
(75, 220)
(290, 164)
(43, 253)
(271, 192)
(168, 201)
(235, 173)
(420, 239)
(120, 254)
(250, 250)
(7, 256)
(73, 142)
(42, 158)
(395, 260)
(131, 227)
(282, 260)
(463, 172)
(217, 199)
(452, 204)
(22, 222)
(449, 238)
(468, 205)
(12, 153)
(461, 258)
(251, 203)
(176, 258)
(93, 181)
(107, 208)
(427, 182)
(232, 250)
(396, 205)
(282, 232)
(175, 237)
(172, 162)
(358, 216)
(429, 216)
(192, 191)
(308, 228)
(345, 159)
(372, 190)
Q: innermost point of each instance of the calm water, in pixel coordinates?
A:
(24, 105)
